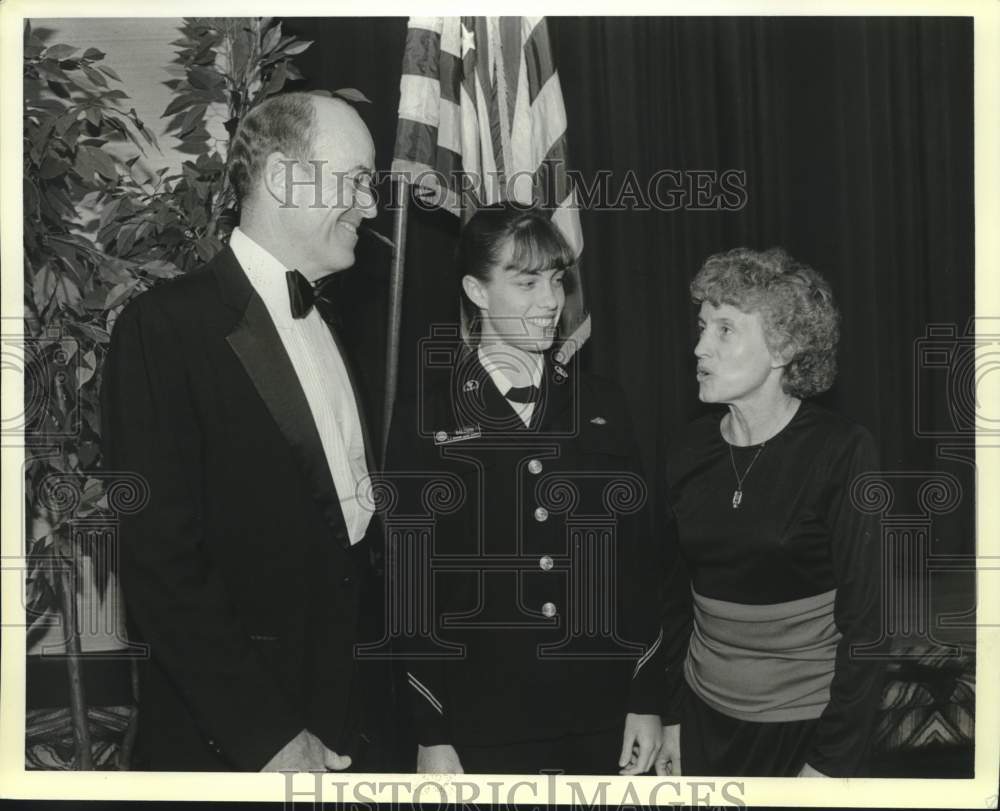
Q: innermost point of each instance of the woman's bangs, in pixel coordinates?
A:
(538, 247)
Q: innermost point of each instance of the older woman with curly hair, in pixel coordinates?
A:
(777, 574)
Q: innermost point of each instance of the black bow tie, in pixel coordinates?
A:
(303, 295)
(523, 394)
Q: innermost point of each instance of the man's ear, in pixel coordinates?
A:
(475, 291)
(278, 178)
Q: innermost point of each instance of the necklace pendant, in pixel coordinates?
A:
(737, 498)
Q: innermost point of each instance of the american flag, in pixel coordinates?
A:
(482, 119)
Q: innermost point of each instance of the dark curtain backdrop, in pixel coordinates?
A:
(855, 135)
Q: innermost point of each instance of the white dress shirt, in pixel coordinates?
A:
(322, 375)
(493, 364)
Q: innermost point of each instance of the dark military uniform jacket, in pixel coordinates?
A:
(525, 556)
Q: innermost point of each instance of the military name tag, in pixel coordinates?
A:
(467, 432)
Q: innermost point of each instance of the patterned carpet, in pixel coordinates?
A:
(929, 699)
(49, 740)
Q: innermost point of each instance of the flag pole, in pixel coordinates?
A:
(402, 199)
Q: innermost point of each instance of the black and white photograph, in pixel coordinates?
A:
(595, 408)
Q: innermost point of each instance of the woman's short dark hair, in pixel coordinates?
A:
(800, 318)
(538, 244)
(284, 123)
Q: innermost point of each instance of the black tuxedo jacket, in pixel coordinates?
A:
(542, 591)
(238, 573)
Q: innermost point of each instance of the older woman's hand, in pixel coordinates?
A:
(668, 762)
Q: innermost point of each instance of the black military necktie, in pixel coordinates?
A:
(303, 295)
(522, 394)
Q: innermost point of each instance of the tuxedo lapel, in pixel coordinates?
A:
(256, 343)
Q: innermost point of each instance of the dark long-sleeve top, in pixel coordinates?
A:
(797, 533)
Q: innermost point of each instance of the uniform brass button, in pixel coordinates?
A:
(541, 514)
(545, 563)
(441, 436)
(534, 466)
(549, 609)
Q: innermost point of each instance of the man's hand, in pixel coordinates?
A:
(669, 760)
(809, 771)
(640, 743)
(439, 759)
(306, 753)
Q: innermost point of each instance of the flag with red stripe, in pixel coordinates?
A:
(482, 119)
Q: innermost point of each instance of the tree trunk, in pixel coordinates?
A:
(128, 742)
(77, 699)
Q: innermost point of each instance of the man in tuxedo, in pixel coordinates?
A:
(228, 392)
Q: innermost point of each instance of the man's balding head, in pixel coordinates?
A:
(301, 167)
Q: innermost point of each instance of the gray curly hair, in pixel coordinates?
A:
(800, 318)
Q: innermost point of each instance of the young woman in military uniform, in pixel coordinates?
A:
(542, 592)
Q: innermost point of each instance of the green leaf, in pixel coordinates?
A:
(271, 39)
(352, 94)
(276, 82)
(108, 72)
(144, 230)
(126, 238)
(93, 115)
(59, 88)
(66, 120)
(43, 287)
(60, 51)
(52, 167)
(50, 69)
(94, 300)
(30, 197)
(204, 78)
(207, 248)
(192, 119)
(94, 54)
(161, 269)
(103, 162)
(67, 293)
(118, 294)
(95, 76)
(297, 48)
(84, 164)
(85, 370)
(180, 103)
(94, 333)
(110, 211)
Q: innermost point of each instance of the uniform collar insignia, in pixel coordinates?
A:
(598, 421)
(471, 385)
